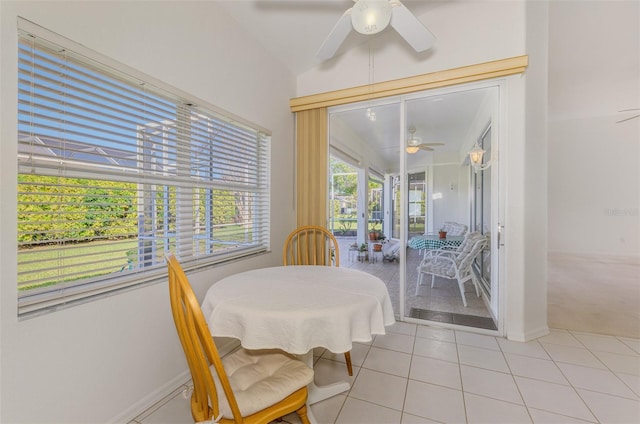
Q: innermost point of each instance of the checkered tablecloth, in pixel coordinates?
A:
(434, 242)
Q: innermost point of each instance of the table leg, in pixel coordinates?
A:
(320, 393)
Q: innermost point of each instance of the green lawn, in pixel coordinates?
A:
(40, 266)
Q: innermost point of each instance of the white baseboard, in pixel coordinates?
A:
(225, 346)
(151, 399)
(529, 335)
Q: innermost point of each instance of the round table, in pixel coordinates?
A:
(297, 308)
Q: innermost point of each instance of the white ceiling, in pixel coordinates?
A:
(443, 119)
(293, 31)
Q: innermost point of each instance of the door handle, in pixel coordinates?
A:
(500, 228)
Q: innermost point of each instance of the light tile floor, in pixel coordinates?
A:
(419, 374)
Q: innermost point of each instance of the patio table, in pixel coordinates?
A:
(434, 242)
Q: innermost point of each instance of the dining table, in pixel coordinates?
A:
(298, 308)
(430, 242)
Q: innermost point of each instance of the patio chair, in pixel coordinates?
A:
(243, 387)
(391, 251)
(467, 241)
(313, 245)
(454, 266)
(454, 228)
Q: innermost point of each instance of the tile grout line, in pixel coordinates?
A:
(575, 389)
(406, 386)
(524, 403)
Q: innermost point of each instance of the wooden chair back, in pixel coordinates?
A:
(199, 348)
(311, 245)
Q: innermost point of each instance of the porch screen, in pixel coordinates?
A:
(115, 170)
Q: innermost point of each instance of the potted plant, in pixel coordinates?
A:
(377, 246)
(364, 252)
(374, 233)
(442, 233)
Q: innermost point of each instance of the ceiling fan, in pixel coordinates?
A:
(372, 16)
(637, 115)
(414, 144)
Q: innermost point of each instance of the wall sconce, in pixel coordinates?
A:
(475, 157)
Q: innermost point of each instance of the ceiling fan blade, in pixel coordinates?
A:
(336, 37)
(432, 144)
(628, 119)
(427, 148)
(410, 28)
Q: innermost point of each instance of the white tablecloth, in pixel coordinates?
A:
(297, 308)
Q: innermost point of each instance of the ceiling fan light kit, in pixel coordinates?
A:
(369, 17)
(371, 115)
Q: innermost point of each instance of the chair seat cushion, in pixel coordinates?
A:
(442, 267)
(261, 378)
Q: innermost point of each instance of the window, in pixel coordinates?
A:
(116, 169)
(343, 196)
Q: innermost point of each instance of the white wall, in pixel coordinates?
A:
(594, 163)
(532, 302)
(106, 360)
(469, 33)
(451, 194)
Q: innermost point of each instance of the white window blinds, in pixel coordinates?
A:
(114, 171)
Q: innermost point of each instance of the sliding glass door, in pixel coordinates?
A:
(414, 161)
(482, 211)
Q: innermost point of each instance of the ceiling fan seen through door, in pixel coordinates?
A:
(372, 16)
(414, 144)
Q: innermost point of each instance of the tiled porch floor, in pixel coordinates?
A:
(443, 297)
(420, 374)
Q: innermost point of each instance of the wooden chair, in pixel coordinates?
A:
(313, 245)
(256, 386)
